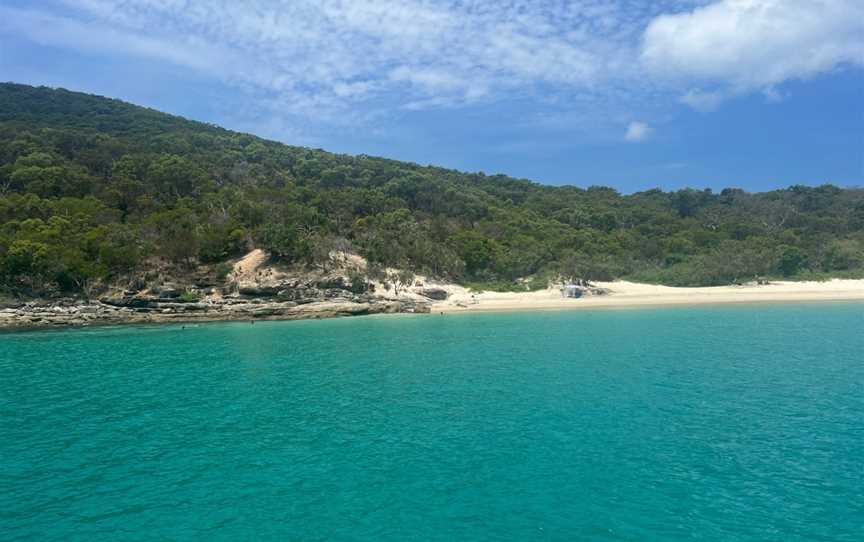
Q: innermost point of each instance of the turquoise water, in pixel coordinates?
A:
(738, 423)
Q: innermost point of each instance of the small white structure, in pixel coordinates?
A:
(572, 291)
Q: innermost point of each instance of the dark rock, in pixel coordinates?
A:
(295, 294)
(438, 294)
(258, 290)
(140, 302)
(265, 311)
(167, 290)
(287, 294)
(203, 281)
(334, 293)
(124, 301)
(330, 283)
(182, 306)
(137, 284)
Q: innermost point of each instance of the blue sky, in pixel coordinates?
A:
(633, 94)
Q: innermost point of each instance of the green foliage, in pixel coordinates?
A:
(478, 251)
(189, 297)
(173, 233)
(792, 259)
(223, 270)
(398, 280)
(92, 188)
(359, 284)
(843, 255)
(27, 261)
(285, 240)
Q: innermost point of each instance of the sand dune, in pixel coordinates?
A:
(629, 294)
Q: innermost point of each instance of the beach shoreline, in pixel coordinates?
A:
(624, 294)
(621, 295)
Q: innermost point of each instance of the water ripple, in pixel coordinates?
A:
(713, 423)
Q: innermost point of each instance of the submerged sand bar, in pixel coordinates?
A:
(630, 294)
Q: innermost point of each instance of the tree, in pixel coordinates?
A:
(688, 201)
(176, 176)
(91, 189)
(843, 255)
(400, 279)
(476, 250)
(287, 241)
(174, 234)
(27, 262)
(791, 260)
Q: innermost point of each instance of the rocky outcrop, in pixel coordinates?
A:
(197, 296)
(437, 294)
(61, 314)
(337, 282)
(138, 309)
(256, 290)
(167, 290)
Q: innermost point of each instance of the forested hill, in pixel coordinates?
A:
(93, 189)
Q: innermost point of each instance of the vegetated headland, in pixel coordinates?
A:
(115, 213)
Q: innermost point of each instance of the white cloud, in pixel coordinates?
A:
(705, 101)
(739, 46)
(347, 61)
(47, 29)
(322, 57)
(637, 131)
(772, 95)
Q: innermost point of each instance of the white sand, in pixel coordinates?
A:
(246, 268)
(630, 294)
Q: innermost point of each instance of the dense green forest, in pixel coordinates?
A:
(92, 189)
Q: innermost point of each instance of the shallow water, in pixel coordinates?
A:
(735, 423)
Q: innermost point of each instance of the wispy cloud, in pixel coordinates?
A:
(45, 28)
(637, 131)
(349, 60)
(317, 56)
(703, 100)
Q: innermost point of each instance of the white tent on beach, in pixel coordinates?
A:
(572, 290)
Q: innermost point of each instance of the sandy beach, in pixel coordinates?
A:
(629, 294)
(620, 294)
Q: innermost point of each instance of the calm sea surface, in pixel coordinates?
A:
(743, 423)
